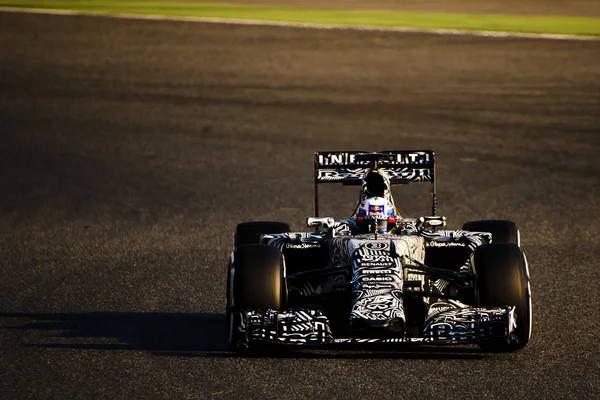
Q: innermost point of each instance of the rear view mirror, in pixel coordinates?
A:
(325, 222)
(432, 222)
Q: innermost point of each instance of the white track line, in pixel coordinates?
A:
(548, 36)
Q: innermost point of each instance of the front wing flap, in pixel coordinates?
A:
(299, 327)
(311, 327)
(470, 325)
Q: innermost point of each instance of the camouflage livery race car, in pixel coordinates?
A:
(378, 276)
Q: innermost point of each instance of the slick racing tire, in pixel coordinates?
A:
(502, 279)
(502, 231)
(250, 232)
(257, 282)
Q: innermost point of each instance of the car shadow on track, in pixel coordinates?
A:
(155, 332)
(183, 335)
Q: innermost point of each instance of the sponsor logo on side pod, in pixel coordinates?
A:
(302, 245)
(447, 244)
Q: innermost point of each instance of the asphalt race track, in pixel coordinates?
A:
(130, 149)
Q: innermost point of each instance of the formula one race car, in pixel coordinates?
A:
(378, 277)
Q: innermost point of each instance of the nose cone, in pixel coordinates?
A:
(393, 327)
(377, 284)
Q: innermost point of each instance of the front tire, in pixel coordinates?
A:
(257, 279)
(502, 231)
(250, 232)
(503, 280)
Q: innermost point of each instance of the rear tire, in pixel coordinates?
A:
(250, 232)
(503, 279)
(502, 231)
(257, 281)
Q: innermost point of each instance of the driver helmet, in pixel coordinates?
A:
(376, 214)
(375, 184)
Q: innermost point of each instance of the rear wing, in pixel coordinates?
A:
(349, 168)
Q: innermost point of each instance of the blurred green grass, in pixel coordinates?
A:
(509, 23)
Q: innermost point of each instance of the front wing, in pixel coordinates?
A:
(311, 327)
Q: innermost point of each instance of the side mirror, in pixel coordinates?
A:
(432, 222)
(326, 222)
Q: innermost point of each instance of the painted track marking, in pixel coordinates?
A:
(367, 28)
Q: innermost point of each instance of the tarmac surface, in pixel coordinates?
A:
(130, 149)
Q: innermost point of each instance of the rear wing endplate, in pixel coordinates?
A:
(349, 168)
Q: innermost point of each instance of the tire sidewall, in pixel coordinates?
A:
(257, 280)
(503, 280)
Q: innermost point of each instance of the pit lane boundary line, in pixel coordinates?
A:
(305, 25)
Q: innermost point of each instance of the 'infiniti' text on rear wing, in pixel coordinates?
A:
(349, 168)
